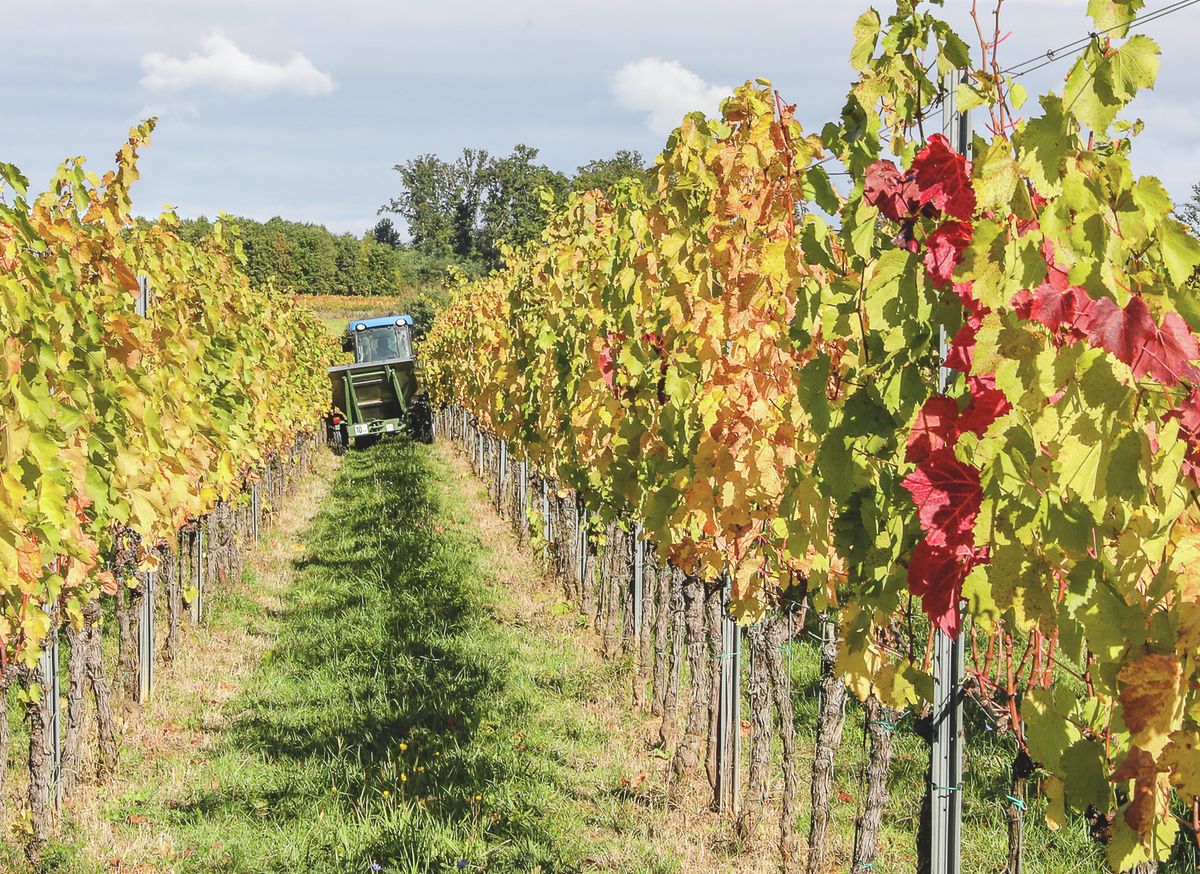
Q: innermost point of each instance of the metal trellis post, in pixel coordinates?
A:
(142, 305)
(639, 557)
(145, 637)
(580, 540)
(145, 641)
(198, 597)
(546, 516)
(729, 716)
(946, 753)
(49, 668)
(524, 491)
(500, 478)
(254, 511)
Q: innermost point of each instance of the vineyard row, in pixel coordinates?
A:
(967, 405)
(146, 389)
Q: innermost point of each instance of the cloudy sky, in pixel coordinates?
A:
(300, 108)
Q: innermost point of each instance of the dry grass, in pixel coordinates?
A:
(177, 731)
(354, 305)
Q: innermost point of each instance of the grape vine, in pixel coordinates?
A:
(705, 351)
(115, 422)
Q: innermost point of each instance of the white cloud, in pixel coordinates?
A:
(224, 66)
(665, 91)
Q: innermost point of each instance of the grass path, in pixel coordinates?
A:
(382, 699)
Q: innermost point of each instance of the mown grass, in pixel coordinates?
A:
(407, 717)
(395, 725)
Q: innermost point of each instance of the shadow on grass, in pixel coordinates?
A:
(368, 736)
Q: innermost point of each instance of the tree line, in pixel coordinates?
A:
(456, 213)
(462, 210)
(310, 259)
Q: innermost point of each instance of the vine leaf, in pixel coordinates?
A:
(935, 427)
(894, 195)
(987, 404)
(1168, 354)
(936, 575)
(948, 496)
(1150, 698)
(943, 179)
(943, 250)
(1121, 331)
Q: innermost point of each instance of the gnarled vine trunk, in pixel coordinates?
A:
(713, 609)
(76, 696)
(880, 726)
(781, 693)
(687, 754)
(645, 631)
(758, 690)
(663, 622)
(106, 724)
(831, 718)
(127, 610)
(677, 632)
(5, 739)
(40, 762)
(174, 566)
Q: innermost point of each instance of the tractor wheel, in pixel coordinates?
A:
(420, 420)
(337, 441)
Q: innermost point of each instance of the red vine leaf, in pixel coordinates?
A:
(943, 251)
(1120, 331)
(608, 366)
(942, 179)
(894, 195)
(948, 495)
(1056, 308)
(936, 575)
(1138, 766)
(1168, 354)
(961, 351)
(1187, 412)
(988, 404)
(935, 427)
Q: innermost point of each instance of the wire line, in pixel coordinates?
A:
(1051, 55)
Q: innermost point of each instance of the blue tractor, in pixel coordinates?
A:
(377, 394)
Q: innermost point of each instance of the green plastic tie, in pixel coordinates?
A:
(1018, 803)
(947, 788)
(718, 658)
(889, 725)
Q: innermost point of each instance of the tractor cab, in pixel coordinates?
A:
(377, 394)
(383, 339)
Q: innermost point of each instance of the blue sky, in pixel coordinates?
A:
(300, 108)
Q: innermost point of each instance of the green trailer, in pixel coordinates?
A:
(377, 394)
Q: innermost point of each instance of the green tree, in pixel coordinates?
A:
(439, 202)
(1189, 212)
(512, 208)
(603, 173)
(385, 232)
(194, 230)
(459, 212)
